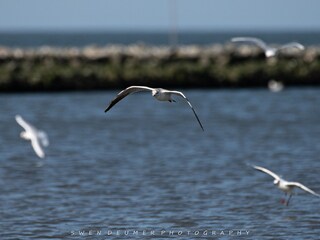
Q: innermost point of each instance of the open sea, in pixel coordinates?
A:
(81, 39)
(146, 170)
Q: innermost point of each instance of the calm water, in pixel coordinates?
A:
(147, 165)
(80, 39)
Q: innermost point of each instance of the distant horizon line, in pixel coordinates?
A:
(146, 31)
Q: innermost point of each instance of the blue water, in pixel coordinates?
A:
(80, 39)
(147, 165)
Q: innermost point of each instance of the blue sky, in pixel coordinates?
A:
(149, 15)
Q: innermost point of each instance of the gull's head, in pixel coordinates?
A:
(155, 92)
(276, 182)
(24, 135)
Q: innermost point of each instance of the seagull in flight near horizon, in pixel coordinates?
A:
(284, 185)
(158, 93)
(38, 138)
(268, 51)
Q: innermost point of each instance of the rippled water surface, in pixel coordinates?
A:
(147, 165)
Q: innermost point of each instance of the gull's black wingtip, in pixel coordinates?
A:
(200, 123)
(107, 109)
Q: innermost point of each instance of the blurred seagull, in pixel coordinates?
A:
(275, 86)
(36, 136)
(268, 51)
(284, 185)
(158, 93)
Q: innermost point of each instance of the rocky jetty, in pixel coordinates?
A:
(117, 66)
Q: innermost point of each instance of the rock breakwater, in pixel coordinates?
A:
(116, 66)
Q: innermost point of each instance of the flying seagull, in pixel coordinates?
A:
(158, 93)
(38, 138)
(268, 51)
(284, 185)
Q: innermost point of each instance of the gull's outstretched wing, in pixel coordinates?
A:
(256, 41)
(43, 137)
(37, 148)
(301, 186)
(27, 126)
(184, 97)
(272, 174)
(125, 93)
(292, 45)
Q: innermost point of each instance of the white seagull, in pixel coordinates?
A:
(275, 86)
(158, 93)
(268, 51)
(37, 137)
(284, 185)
